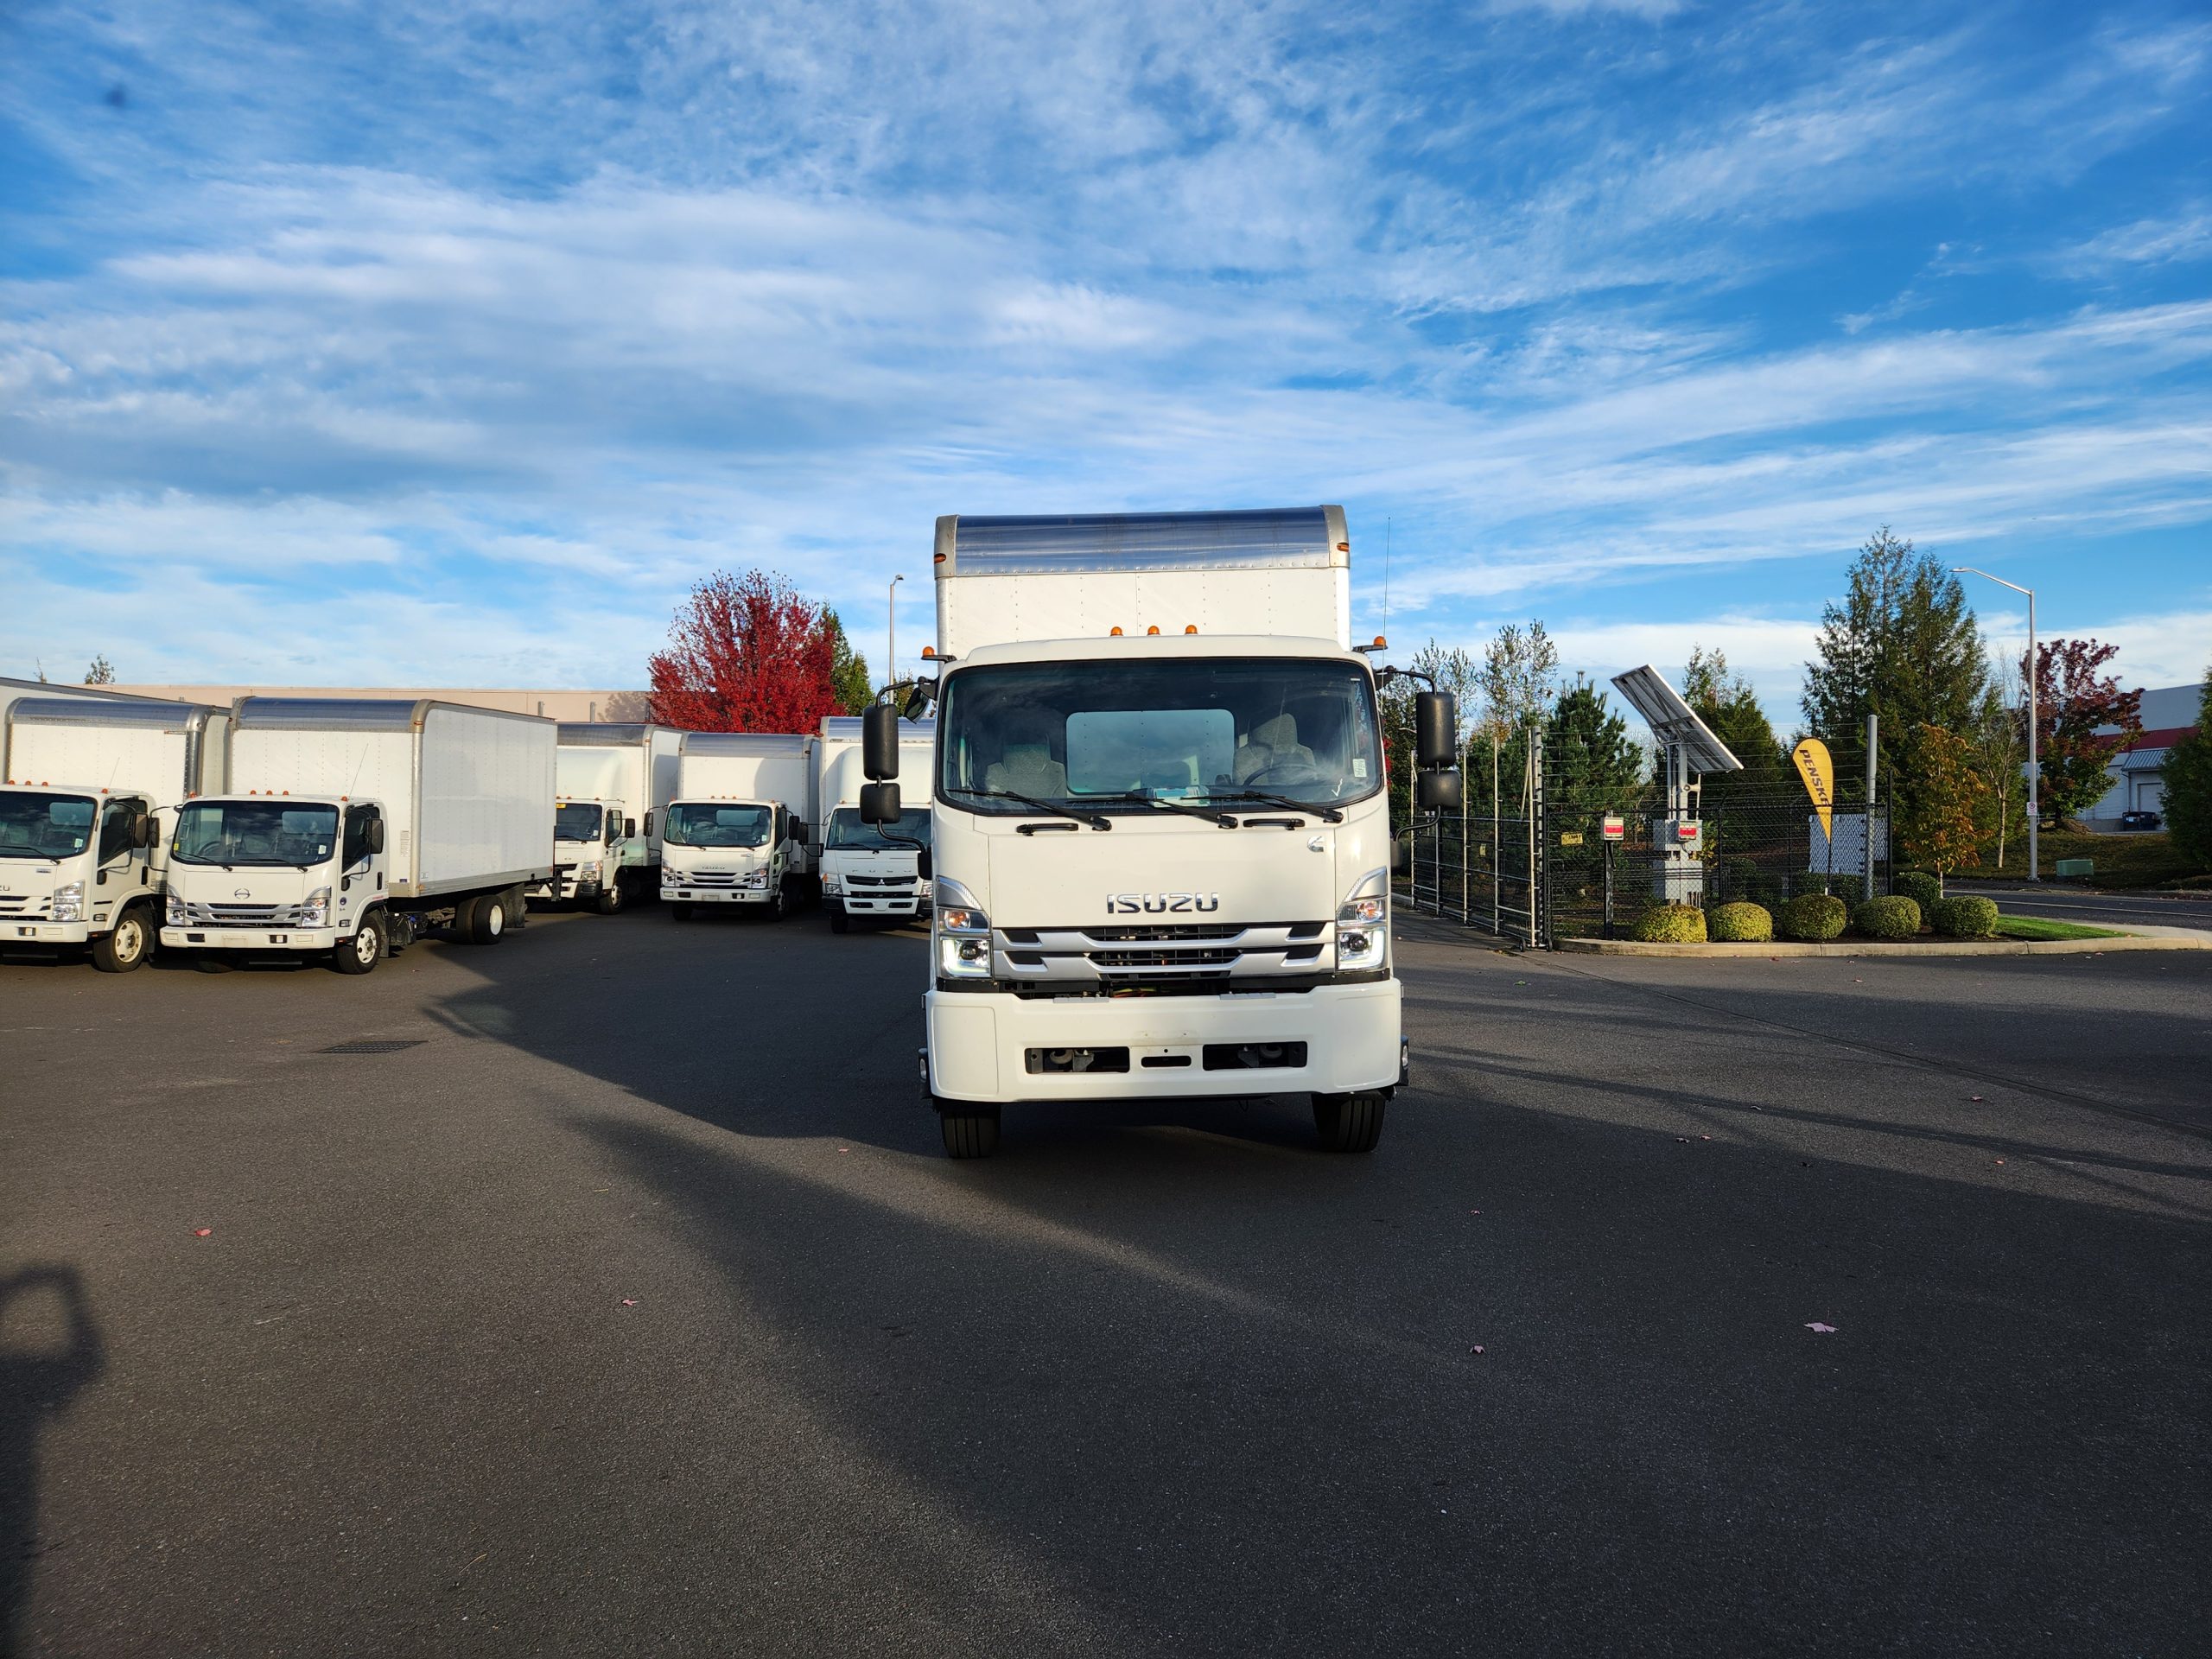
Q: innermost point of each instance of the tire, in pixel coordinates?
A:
(488, 918)
(464, 919)
(611, 899)
(779, 906)
(1349, 1122)
(361, 953)
(970, 1131)
(839, 921)
(128, 944)
(679, 912)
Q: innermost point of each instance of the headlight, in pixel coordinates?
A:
(1364, 924)
(69, 902)
(963, 933)
(833, 884)
(316, 912)
(753, 879)
(173, 908)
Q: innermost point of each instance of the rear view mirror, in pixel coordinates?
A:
(1436, 734)
(923, 867)
(1437, 791)
(147, 832)
(801, 834)
(879, 802)
(629, 827)
(918, 698)
(1401, 855)
(880, 744)
(376, 835)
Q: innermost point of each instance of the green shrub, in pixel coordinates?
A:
(1964, 917)
(1739, 922)
(1921, 888)
(1670, 924)
(1894, 917)
(1812, 916)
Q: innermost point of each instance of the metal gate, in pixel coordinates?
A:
(1484, 867)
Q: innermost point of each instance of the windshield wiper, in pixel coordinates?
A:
(1133, 798)
(1091, 818)
(1326, 814)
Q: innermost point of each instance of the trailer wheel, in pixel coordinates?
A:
(487, 919)
(361, 953)
(971, 1131)
(611, 898)
(1349, 1122)
(125, 947)
(840, 922)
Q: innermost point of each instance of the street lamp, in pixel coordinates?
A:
(2035, 772)
(891, 630)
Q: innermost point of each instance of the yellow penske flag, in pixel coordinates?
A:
(1819, 773)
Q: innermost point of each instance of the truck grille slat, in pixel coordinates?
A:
(1119, 955)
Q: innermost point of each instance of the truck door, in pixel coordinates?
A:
(360, 864)
(122, 866)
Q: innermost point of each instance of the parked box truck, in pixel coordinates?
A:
(869, 871)
(350, 826)
(1160, 836)
(615, 782)
(81, 858)
(740, 831)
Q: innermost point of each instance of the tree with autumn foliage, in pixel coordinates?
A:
(2072, 700)
(1940, 821)
(746, 653)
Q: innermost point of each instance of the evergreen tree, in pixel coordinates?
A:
(2189, 786)
(847, 668)
(1590, 764)
(1727, 703)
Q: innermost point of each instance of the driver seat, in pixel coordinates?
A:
(1027, 769)
(1273, 743)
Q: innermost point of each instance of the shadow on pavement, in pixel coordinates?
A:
(44, 1363)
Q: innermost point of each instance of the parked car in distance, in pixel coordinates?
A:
(2140, 821)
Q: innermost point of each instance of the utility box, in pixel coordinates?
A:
(2074, 869)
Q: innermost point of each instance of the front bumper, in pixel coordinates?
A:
(865, 903)
(15, 932)
(302, 939)
(979, 1042)
(671, 893)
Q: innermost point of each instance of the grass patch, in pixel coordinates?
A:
(2037, 927)
(2141, 859)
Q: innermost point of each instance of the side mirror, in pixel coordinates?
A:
(376, 835)
(880, 746)
(1436, 729)
(879, 802)
(649, 823)
(147, 832)
(918, 697)
(1438, 791)
(802, 832)
(629, 827)
(1401, 854)
(923, 867)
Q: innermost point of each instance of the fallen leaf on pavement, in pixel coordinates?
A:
(629, 1301)
(201, 1232)
(2000, 1163)
(1825, 1330)
(1477, 1349)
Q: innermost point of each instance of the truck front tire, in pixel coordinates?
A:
(611, 898)
(1349, 1122)
(971, 1131)
(361, 953)
(840, 922)
(125, 947)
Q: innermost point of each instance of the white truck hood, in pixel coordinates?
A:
(257, 883)
(1191, 872)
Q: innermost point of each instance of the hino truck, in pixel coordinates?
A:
(1160, 843)
(740, 831)
(350, 827)
(615, 783)
(81, 858)
(869, 871)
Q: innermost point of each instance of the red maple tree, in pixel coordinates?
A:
(2072, 700)
(744, 653)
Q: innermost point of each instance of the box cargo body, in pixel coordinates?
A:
(12, 691)
(626, 773)
(1280, 571)
(862, 874)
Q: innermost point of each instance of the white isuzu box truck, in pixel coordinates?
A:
(1160, 836)
(81, 858)
(740, 830)
(863, 873)
(350, 826)
(615, 781)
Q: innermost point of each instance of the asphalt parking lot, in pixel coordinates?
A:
(631, 1309)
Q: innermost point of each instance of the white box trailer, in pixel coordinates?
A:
(615, 782)
(741, 828)
(350, 826)
(13, 691)
(864, 875)
(82, 860)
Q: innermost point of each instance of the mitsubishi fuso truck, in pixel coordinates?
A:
(864, 872)
(615, 782)
(1160, 841)
(352, 826)
(740, 831)
(81, 857)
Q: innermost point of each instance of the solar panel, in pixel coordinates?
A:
(1674, 721)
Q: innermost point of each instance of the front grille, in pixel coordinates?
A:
(21, 904)
(1113, 956)
(198, 915)
(708, 879)
(1164, 958)
(900, 881)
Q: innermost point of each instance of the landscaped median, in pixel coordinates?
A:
(2099, 943)
(1917, 920)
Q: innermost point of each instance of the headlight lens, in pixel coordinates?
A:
(964, 934)
(316, 912)
(69, 902)
(833, 884)
(753, 879)
(173, 907)
(963, 918)
(1369, 911)
(1364, 924)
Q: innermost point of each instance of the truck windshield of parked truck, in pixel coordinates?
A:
(255, 832)
(703, 824)
(847, 833)
(1109, 735)
(577, 821)
(34, 824)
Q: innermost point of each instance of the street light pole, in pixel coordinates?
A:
(890, 632)
(2035, 772)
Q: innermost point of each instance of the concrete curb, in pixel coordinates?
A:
(2143, 938)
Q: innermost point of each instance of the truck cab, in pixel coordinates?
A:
(593, 841)
(275, 873)
(78, 867)
(728, 853)
(873, 872)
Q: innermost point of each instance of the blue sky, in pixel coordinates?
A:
(448, 342)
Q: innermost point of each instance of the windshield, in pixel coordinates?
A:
(578, 820)
(845, 830)
(707, 825)
(255, 832)
(34, 824)
(1091, 731)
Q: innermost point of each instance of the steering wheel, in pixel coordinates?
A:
(1287, 771)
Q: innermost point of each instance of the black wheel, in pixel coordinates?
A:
(839, 921)
(777, 904)
(611, 898)
(488, 921)
(126, 946)
(971, 1131)
(1348, 1123)
(679, 912)
(464, 919)
(361, 953)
